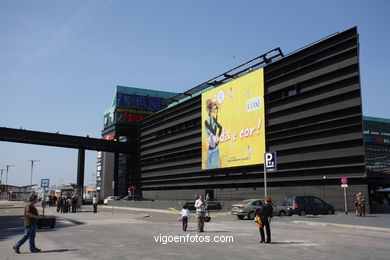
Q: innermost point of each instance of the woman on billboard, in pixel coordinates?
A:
(214, 131)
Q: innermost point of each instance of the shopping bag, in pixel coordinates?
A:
(259, 222)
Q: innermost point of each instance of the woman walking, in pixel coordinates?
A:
(265, 213)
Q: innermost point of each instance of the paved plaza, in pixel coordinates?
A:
(115, 233)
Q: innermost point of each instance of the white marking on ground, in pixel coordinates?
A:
(15, 228)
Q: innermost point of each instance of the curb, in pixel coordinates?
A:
(169, 211)
(341, 225)
(140, 209)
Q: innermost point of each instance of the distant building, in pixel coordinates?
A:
(16, 192)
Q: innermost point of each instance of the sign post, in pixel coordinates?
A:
(344, 185)
(269, 163)
(132, 188)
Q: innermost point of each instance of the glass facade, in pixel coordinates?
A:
(377, 142)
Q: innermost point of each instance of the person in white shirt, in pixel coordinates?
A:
(200, 213)
(94, 202)
(185, 215)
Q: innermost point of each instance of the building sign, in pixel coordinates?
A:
(233, 131)
(109, 137)
(372, 139)
(132, 105)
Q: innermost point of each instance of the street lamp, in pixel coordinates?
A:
(32, 167)
(1, 178)
(324, 177)
(6, 176)
(1, 183)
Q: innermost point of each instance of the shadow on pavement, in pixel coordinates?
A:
(287, 243)
(57, 250)
(12, 225)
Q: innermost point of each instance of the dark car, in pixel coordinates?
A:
(302, 205)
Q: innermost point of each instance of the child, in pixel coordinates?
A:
(185, 215)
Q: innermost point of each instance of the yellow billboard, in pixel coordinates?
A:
(233, 131)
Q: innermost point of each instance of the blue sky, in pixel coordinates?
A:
(61, 60)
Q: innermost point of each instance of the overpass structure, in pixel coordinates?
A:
(64, 141)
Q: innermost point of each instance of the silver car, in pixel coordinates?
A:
(247, 208)
(105, 201)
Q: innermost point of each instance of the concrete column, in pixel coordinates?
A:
(80, 171)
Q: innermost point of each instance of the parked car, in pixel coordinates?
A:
(247, 208)
(105, 202)
(302, 205)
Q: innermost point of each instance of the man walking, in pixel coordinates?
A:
(30, 226)
(200, 213)
(94, 202)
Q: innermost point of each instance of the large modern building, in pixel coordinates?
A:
(115, 171)
(305, 106)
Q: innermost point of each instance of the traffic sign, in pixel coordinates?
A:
(45, 183)
(344, 182)
(270, 160)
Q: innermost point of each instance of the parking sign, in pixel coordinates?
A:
(270, 160)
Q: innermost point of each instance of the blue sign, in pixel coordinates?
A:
(344, 180)
(270, 160)
(45, 183)
(139, 102)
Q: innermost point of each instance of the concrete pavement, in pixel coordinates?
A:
(140, 234)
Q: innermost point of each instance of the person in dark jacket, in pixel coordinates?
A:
(265, 213)
(31, 218)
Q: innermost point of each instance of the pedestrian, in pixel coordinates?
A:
(200, 206)
(265, 215)
(185, 216)
(43, 201)
(74, 203)
(362, 205)
(31, 218)
(69, 201)
(65, 203)
(59, 204)
(78, 206)
(357, 205)
(94, 202)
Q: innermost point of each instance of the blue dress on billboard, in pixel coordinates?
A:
(213, 153)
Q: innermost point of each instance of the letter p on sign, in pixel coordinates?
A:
(270, 160)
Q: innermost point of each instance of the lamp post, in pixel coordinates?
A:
(6, 176)
(1, 178)
(32, 167)
(324, 186)
(1, 183)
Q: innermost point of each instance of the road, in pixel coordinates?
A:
(129, 234)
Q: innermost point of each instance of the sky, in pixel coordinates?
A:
(60, 61)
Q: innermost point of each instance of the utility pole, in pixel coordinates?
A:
(32, 167)
(1, 179)
(1, 183)
(6, 176)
